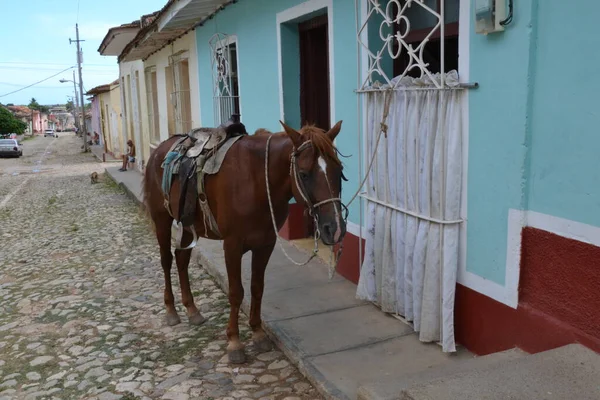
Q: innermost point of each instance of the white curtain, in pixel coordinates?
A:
(411, 263)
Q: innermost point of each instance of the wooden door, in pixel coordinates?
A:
(314, 72)
(314, 80)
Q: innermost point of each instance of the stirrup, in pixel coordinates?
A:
(177, 229)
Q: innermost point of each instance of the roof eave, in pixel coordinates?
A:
(170, 32)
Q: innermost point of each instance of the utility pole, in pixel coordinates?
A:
(76, 105)
(79, 60)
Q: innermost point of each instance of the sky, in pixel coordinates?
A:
(34, 44)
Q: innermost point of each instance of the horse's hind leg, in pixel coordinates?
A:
(233, 261)
(182, 257)
(260, 258)
(163, 234)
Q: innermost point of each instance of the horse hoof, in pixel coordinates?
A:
(172, 319)
(237, 356)
(197, 319)
(263, 345)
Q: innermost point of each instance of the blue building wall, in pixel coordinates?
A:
(533, 140)
(499, 62)
(534, 136)
(564, 178)
(254, 23)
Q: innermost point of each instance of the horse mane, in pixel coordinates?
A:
(321, 142)
(262, 131)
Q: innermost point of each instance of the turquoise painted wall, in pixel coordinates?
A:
(497, 140)
(254, 23)
(534, 125)
(564, 178)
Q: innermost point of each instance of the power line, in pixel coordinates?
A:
(57, 64)
(33, 84)
(39, 87)
(3, 67)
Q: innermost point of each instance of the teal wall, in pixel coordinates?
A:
(533, 140)
(534, 134)
(254, 23)
(564, 179)
(498, 138)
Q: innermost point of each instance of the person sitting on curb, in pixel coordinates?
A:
(130, 156)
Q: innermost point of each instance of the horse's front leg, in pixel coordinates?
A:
(233, 261)
(182, 257)
(260, 258)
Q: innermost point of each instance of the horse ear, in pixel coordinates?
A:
(333, 132)
(293, 134)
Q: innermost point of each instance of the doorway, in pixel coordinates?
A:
(314, 72)
(305, 81)
(314, 82)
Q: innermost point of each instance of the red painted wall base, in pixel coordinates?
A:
(349, 264)
(559, 300)
(294, 226)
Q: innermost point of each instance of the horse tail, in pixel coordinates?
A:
(147, 185)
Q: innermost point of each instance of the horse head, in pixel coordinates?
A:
(316, 172)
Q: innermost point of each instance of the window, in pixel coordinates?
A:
(404, 38)
(422, 22)
(178, 80)
(124, 88)
(226, 93)
(138, 104)
(128, 94)
(152, 102)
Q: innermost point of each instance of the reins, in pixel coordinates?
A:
(311, 207)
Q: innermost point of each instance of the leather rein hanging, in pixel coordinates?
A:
(312, 207)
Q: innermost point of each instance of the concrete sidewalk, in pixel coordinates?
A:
(338, 342)
(349, 349)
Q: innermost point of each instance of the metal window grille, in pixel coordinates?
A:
(225, 77)
(402, 29)
(397, 22)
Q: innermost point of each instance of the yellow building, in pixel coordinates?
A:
(108, 115)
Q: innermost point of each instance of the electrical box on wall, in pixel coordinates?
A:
(488, 15)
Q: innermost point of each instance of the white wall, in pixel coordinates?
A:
(161, 61)
(136, 114)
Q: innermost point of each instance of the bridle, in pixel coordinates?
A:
(312, 207)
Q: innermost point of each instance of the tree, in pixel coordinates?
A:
(34, 105)
(70, 105)
(9, 123)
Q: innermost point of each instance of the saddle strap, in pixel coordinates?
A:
(208, 217)
(168, 166)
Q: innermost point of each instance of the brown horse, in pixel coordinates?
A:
(303, 165)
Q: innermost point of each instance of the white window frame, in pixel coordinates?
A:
(218, 42)
(154, 133)
(176, 91)
(504, 294)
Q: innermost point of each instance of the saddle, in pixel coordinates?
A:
(195, 155)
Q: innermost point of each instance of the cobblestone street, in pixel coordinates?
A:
(81, 301)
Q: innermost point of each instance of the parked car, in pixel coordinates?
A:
(50, 132)
(10, 148)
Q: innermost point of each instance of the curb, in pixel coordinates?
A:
(279, 338)
(127, 191)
